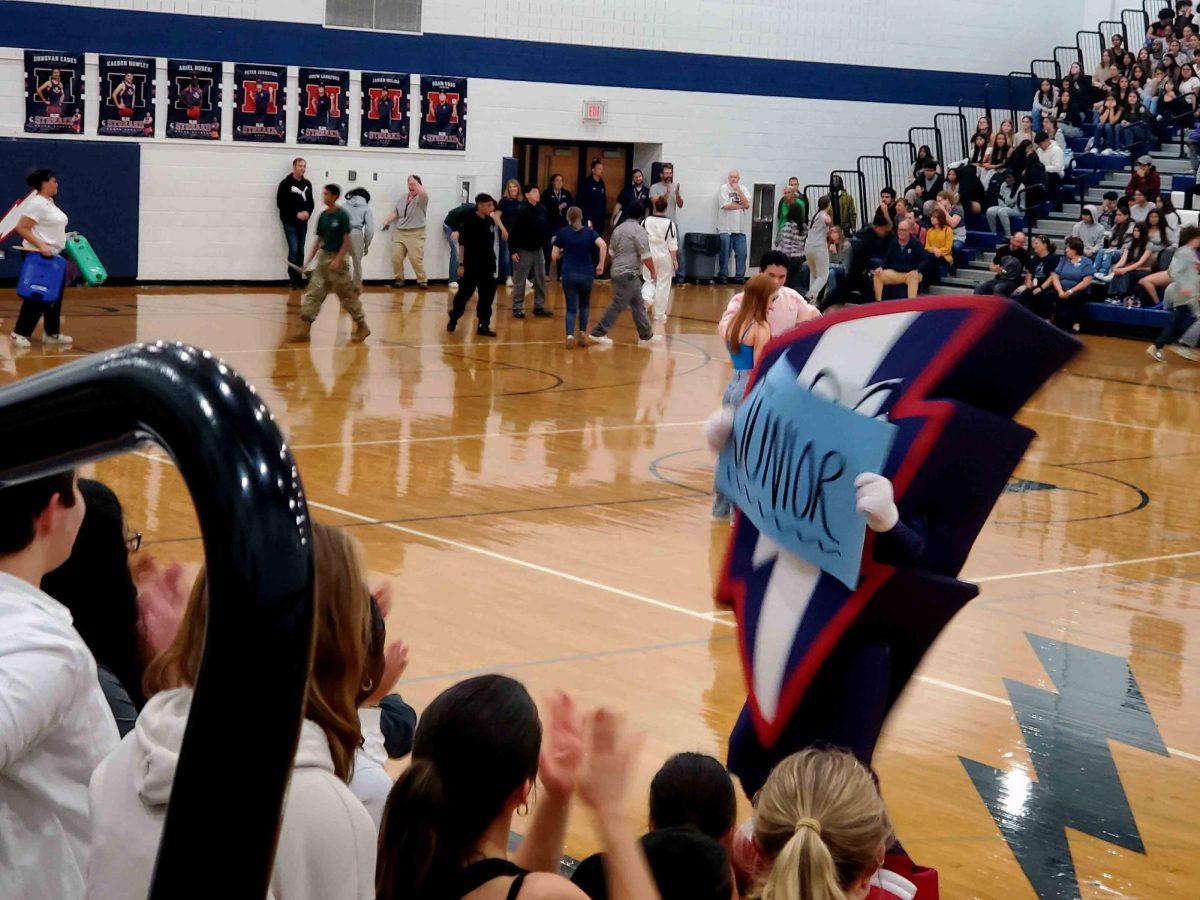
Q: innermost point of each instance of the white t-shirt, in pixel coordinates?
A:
(731, 221)
(50, 222)
(55, 728)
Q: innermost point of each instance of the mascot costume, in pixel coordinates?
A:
(825, 662)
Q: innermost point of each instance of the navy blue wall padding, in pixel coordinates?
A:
(99, 190)
(288, 43)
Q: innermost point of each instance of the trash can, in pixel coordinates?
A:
(700, 257)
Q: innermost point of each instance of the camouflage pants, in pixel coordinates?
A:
(323, 280)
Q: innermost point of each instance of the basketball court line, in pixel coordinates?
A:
(1083, 568)
(1154, 428)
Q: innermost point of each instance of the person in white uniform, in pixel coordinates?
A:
(55, 726)
(664, 250)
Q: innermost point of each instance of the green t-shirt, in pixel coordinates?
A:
(332, 228)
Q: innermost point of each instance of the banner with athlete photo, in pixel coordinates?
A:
(385, 109)
(443, 113)
(260, 103)
(127, 96)
(324, 116)
(54, 91)
(194, 100)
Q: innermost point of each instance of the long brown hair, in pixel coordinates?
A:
(342, 636)
(755, 302)
(822, 821)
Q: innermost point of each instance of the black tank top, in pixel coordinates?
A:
(477, 874)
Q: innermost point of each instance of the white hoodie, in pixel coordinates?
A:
(326, 843)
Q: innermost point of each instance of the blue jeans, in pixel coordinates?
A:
(738, 243)
(578, 291)
(735, 393)
(447, 231)
(1107, 137)
(831, 285)
(505, 270)
(295, 232)
(1105, 260)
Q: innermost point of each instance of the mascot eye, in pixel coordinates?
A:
(826, 385)
(875, 398)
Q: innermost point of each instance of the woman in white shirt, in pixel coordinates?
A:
(43, 227)
(1189, 84)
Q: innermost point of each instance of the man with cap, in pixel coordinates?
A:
(1053, 159)
(1145, 178)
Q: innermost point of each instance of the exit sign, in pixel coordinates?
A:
(595, 110)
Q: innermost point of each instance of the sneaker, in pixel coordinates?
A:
(542, 313)
(485, 331)
(61, 340)
(650, 341)
(660, 318)
(508, 281)
(18, 341)
(518, 314)
(1155, 353)
(454, 285)
(361, 332)
(423, 285)
(453, 323)
(602, 339)
(570, 342)
(398, 283)
(584, 340)
(1186, 352)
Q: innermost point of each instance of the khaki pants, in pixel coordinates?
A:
(891, 276)
(324, 280)
(357, 251)
(409, 242)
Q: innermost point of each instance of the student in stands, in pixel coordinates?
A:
(326, 843)
(839, 263)
(1182, 296)
(939, 248)
(1026, 132)
(55, 726)
(1108, 127)
(820, 830)
(1101, 74)
(925, 155)
(1044, 101)
(1172, 221)
(475, 760)
(1136, 260)
(926, 185)
(841, 206)
(886, 208)
(43, 229)
(902, 263)
(1140, 205)
(1145, 178)
(97, 586)
(692, 817)
(1173, 112)
(1037, 295)
(1089, 231)
(1008, 206)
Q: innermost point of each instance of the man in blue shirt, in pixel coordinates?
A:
(593, 198)
(901, 262)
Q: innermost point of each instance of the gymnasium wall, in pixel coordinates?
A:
(772, 87)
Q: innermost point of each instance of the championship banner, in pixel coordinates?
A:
(54, 91)
(443, 113)
(385, 109)
(194, 100)
(127, 96)
(324, 111)
(260, 103)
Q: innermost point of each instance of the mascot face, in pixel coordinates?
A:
(948, 372)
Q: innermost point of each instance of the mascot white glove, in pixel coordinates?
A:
(876, 501)
(718, 427)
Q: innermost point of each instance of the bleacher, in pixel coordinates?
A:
(1089, 175)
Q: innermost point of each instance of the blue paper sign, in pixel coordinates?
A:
(790, 467)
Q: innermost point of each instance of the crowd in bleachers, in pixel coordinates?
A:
(100, 649)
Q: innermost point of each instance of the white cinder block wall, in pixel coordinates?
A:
(207, 210)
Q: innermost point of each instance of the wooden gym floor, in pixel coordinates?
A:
(544, 513)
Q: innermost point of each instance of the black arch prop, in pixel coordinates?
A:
(224, 813)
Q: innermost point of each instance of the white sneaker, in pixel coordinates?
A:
(602, 339)
(653, 339)
(660, 318)
(61, 340)
(1155, 353)
(1186, 352)
(454, 285)
(508, 283)
(18, 341)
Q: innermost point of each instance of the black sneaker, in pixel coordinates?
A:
(485, 331)
(543, 313)
(518, 314)
(453, 323)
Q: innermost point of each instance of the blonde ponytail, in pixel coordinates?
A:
(821, 822)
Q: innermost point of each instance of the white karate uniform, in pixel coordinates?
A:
(656, 292)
